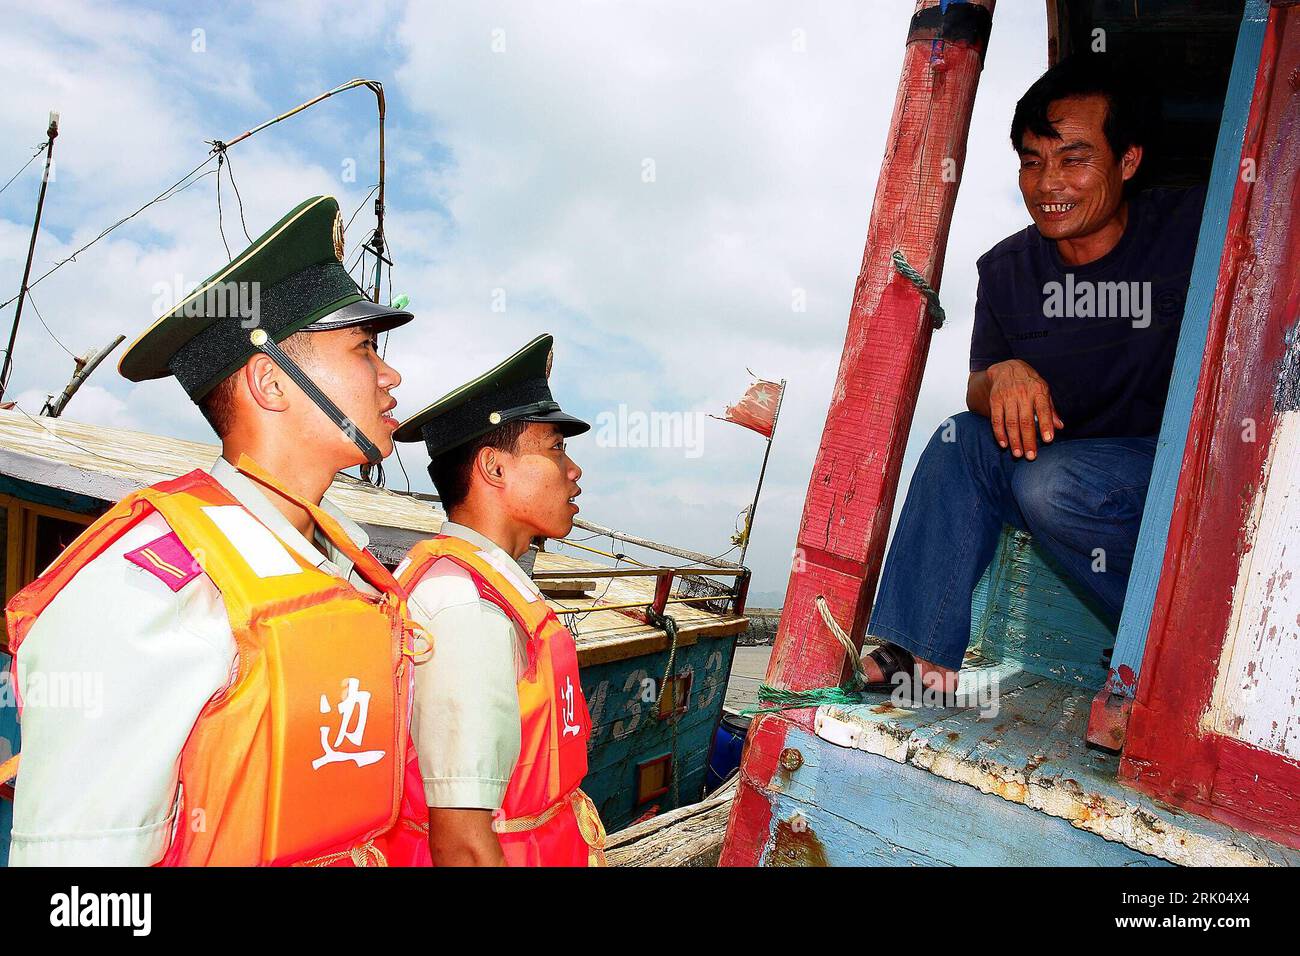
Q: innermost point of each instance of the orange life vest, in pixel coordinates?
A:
(301, 759)
(545, 818)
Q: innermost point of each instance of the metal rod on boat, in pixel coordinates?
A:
(637, 604)
(653, 545)
(632, 573)
(52, 133)
(377, 240)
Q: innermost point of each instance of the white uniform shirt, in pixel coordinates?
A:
(465, 721)
(98, 783)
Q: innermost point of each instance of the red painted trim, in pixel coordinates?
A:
(7, 792)
(1108, 720)
(1168, 754)
(645, 765)
(750, 823)
(663, 590)
(741, 594)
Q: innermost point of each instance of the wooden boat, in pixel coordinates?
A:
(1185, 748)
(648, 749)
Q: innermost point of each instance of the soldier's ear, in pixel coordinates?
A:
(488, 466)
(265, 383)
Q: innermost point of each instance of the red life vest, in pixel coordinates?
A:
(545, 818)
(301, 759)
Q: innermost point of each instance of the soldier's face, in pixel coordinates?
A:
(540, 481)
(345, 365)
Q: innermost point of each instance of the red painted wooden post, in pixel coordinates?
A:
(663, 590)
(850, 498)
(741, 594)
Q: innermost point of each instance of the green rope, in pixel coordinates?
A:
(849, 693)
(782, 699)
(669, 624)
(937, 315)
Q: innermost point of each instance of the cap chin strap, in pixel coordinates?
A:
(523, 411)
(268, 347)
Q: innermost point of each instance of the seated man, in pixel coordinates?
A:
(1076, 324)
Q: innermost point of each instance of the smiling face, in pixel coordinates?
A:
(1073, 186)
(540, 482)
(345, 365)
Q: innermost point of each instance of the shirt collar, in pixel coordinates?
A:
(488, 545)
(249, 494)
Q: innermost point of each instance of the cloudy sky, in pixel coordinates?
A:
(656, 183)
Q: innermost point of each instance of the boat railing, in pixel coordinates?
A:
(687, 579)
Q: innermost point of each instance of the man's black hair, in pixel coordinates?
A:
(451, 471)
(1084, 75)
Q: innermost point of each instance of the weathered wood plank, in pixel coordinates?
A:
(689, 836)
(843, 807)
(1157, 515)
(1033, 753)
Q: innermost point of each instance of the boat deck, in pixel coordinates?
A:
(1032, 752)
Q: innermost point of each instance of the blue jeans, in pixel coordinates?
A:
(1081, 500)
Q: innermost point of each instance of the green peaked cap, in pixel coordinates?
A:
(513, 390)
(291, 279)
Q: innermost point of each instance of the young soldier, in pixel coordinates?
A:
(254, 657)
(500, 723)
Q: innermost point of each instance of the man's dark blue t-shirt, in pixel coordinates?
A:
(1102, 335)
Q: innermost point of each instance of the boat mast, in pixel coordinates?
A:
(51, 134)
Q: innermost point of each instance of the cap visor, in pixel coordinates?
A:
(363, 312)
(568, 425)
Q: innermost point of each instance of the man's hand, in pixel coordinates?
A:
(1013, 395)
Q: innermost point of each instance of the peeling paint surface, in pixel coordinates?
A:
(1033, 754)
(795, 844)
(1257, 693)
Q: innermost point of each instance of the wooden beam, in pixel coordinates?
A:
(688, 836)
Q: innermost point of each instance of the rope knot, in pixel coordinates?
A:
(937, 315)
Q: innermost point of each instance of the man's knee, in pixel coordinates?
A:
(1049, 492)
(964, 432)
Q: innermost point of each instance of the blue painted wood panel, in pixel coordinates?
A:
(627, 732)
(859, 809)
(1147, 561)
(1027, 609)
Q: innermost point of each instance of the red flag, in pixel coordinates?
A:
(756, 410)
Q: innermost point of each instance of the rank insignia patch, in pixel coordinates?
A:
(168, 560)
